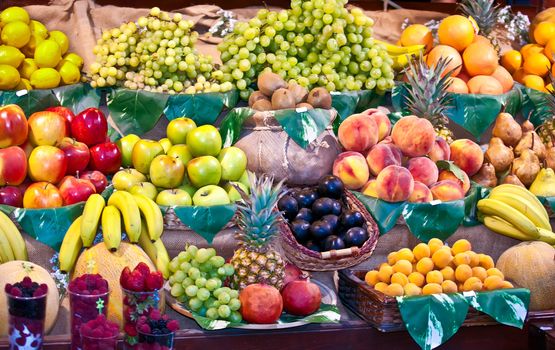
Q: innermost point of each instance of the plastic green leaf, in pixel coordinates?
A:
(135, 111)
(384, 213)
(203, 108)
(78, 97)
(535, 104)
(231, 126)
(30, 101)
(476, 193)
(450, 166)
(550, 201)
(506, 306)
(303, 126)
(206, 221)
(435, 219)
(351, 102)
(432, 319)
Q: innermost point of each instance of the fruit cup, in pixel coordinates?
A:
(156, 331)
(149, 341)
(84, 307)
(99, 334)
(103, 343)
(136, 304)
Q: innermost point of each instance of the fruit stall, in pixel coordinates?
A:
(304, 174)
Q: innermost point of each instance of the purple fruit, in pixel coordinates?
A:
(355, 237)
(331, 186)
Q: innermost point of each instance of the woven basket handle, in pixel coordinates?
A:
(333, 254)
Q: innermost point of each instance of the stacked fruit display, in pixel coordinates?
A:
(53, 148)
(31, 57)
(319, 218)
(403, 163)
(188, 167)
(274, 93)
(434, 268)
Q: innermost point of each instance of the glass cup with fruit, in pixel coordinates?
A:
(27, 309)
(99, 334)
(88, 297)
(156, 331)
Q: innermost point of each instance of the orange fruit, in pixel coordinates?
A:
(549, 49)
(461, 246)
(473, 283)
(412, 289)
(380, 287)
(457, 86)
(448, 273)
(456, 31)
(435, 244)
(424, 265)
(474, 258)
(480, 59)
(399, 278)
(537, 63)
(384, 274)
(484, 84)
(442, 257)
(417, 34)
(534, 82)
(461, 259)
(479, 272)
(504, 77)
(544, 32)
(519, 75)
(449, 287)
(506, 285)
(432, 288)
(445, 51)
(403, 266)
(394, 290)
(417, 278)
(481, 39)
(495, 272)
(434, 277)
(511, 60)
(463, 272)
(529, 49)
(421, 250)
(391, 258)
(404, 254)
(371, 278)
(493, 282)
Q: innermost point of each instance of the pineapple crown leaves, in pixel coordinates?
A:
(484, 12)
(551, 99)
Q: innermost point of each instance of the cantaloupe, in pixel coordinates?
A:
(531, 265)
(15, 271)
(98, 259)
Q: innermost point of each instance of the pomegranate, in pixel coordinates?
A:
(301, 298)
(293, 273)
(260, 303)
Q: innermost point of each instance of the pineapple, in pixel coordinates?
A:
(546, 131)
(255, 260)
(427, 94)
(485, 13)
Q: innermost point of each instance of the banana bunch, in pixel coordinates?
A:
(12, 244)
(515, 212)
(401, 55)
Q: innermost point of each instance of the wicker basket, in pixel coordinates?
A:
(307, 259)
(380, 310)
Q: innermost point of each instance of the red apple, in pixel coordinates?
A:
(66, 113)
(90, 127)
(74, 190)
(13, 126)
(47, 163)
(46, 128)
(301, 298)
(105, 158)
(42, 195)
(293, 273)
(77, 154)
(98, 179)
(13, 166)
(260, 303)
(11, 195)
(27, 148)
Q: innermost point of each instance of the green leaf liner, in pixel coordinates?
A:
(351, 102)
(535, 105)
(506, 306)
(78, 97)
(475, 113)
(203, 108)
(232, 124)
(476, 193)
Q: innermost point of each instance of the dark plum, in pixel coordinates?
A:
(336, 207)
(306, 198)
(289, 206)
(320, 230)
(322, 207)
(334, 242)
(312, 246)
(331, 186)
(351, 218)
(305, 214)
(301, 230)
(356, 236)
(333, 221)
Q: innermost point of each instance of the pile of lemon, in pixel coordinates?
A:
(436, 268)
(33, 57)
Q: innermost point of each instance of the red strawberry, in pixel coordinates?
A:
(154, 281)
(173, 325)
(144, 328)
(130, 330)
(155, 315)
(143, 268)
(16, 292)
(124, 277)
(136, 281)
(27, 283)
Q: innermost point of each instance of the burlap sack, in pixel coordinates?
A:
(271, 151)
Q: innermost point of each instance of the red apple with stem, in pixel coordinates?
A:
(13, 126)
(13, 166)
(47, 163)
(77, 154)
(74, 190)
(42, 195)
(66, 113)
(90, 127)
(105, 157)
(99, 180)
(11, 195)
(46, 128)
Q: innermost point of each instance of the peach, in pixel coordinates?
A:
(440, 150)
(448, 175)
(421, 193)
(382, 121)
(352, 169)
(370, 189)
(414, 136)
(358, 133)
(467, 155)
(424, 170)
(394, 184)
(457, 86)
(504, 77)
(485, 85)
(447, 190)
(383, 155)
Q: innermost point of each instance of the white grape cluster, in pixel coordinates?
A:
(156, 53)
(315, 43)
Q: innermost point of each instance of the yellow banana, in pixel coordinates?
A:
(396, 50)
(495, 207)
(6, 251)
(127, 205)
(111, 227)
(152, 216)
(523, 205)
(162, 258)
(515, 190)
(498, 225)
(71, 246)
(546, 236)
(14, 236)
(91, 218)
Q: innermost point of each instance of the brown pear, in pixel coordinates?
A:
(507, 129)
(255, 96)
(550, 158)
(531, 140)
(513, 180)
(499, 155)
(485, 176)
(527, 126)
(526, 167)
(268, 82)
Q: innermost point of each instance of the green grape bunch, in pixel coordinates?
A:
(155, 53)
(197, 278)
(315, 43)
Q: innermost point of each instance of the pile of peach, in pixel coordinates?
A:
(401, 166)
(435, 268)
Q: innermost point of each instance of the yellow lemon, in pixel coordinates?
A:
(27, 68)
(69, 72)
(48, 54)
(29, 49)
(45, 78)
(9, 77)
(24, 84)
(75, 59)
(61, 39)
(14, 13)
(16, 34)
(11, 56)
(38, 29)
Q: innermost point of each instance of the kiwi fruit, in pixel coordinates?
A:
(305, 105)
(255, 96)
(319, 98)
(300, 92)
(262, 105)
(283, 99)
(269, 82)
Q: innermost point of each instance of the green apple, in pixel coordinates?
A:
(232, 192)
(204, 171)
(166, 171)
(180, 152)
(244, 179)
(210, 195)
(145, 188)
(124, 179)
(187, 187)
(143, 153)
(204, 141)
(125, 145)
(234, 163)
(178, 129)
(174, 197)
(166, 144)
